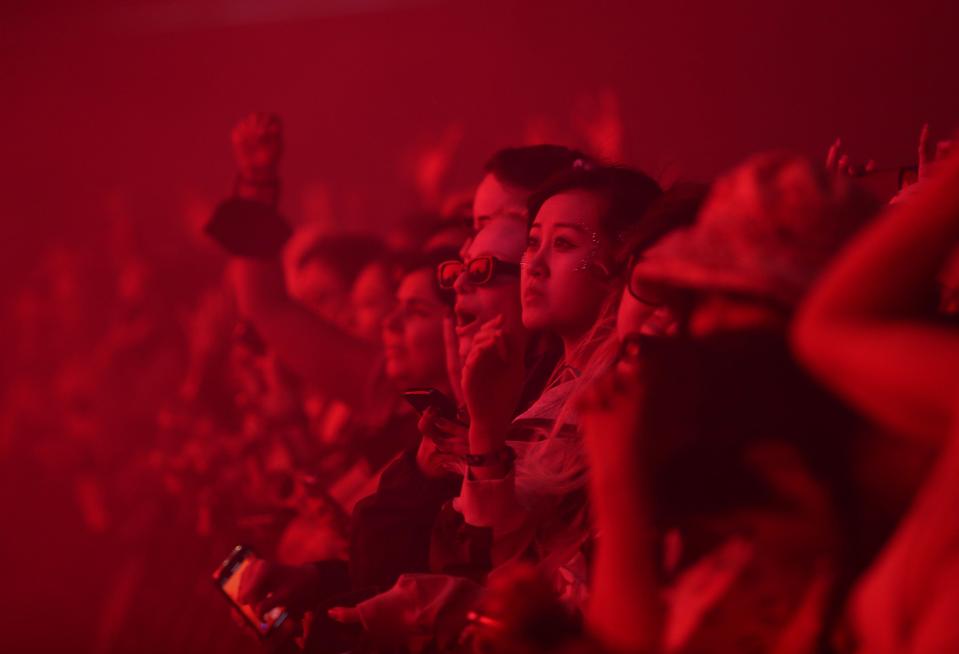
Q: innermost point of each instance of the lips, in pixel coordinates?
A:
(465, 321)
(393, 349)
(533, 294)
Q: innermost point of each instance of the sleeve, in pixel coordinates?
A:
(481, 529)
(419, 607)
(391, 528)
(492, 503)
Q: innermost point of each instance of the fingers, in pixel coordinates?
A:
(492, 337)
(270, 602)
(620, 384)
(832, 156)
(440, 430)
(425, 423)
(345, 614)
(454, 366)
(454, 447)
(843, 165)
(450, 429)
(924, 144)
(924, 159)
(943, 148)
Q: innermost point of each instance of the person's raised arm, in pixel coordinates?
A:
(867, 329)
(626, 611)
(249, 228)
(338, 363)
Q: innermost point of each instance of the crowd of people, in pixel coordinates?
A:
(583, 413)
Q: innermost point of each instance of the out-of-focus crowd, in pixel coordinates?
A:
(581, 411)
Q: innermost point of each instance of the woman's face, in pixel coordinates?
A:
(372, 298)
(413, 333)
(565, 279)
(475, 305)
(318, 286)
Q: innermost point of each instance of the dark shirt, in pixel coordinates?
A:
(391, 527)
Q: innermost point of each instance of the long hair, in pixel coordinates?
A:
(559, 468)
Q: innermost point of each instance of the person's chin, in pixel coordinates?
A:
(535, 318)
(397, 373)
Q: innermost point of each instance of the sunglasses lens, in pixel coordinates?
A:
(480, 270)
(447, 272)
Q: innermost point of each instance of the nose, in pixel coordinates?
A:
(393, 322)
(537, 263)
(460, 285)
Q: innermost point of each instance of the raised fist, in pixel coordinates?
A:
(258, 145)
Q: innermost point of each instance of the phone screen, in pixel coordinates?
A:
(425, 398)
(228, 578)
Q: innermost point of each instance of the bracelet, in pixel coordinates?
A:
(506, 455)
(247, 228)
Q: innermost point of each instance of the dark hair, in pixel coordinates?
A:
(628, 195)
(674, 209)
(429, 260)
(531, 166)
(347, 254)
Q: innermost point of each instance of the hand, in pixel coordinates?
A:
(345, 614)
(444, 443)
(837, 162)
(930, 159)
(611, 415)
(267, 584)
(258, 145)
(493, 381)
(283, 640)
(454, 365)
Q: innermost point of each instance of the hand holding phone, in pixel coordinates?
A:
(443, 405)
(234, 578)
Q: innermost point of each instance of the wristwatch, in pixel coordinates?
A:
(505, 455)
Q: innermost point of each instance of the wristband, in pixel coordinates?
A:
(505, 455)
(247, 228)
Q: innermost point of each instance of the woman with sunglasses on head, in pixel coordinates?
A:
(485, 283)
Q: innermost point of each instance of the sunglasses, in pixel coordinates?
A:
(478, 271)
(645, 293)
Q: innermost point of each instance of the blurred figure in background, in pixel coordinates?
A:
(873, 330)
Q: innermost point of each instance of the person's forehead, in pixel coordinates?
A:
(501, 237)
(575, 208)
(493, 197)
(417, 285)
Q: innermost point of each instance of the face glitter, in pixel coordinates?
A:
(585, 264)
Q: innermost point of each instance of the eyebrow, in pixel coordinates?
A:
(582, 229)
(575, 226)
(507, 213)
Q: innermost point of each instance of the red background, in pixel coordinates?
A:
(121, 111)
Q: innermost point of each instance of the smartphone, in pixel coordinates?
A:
(227, 578)
(424, 398)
